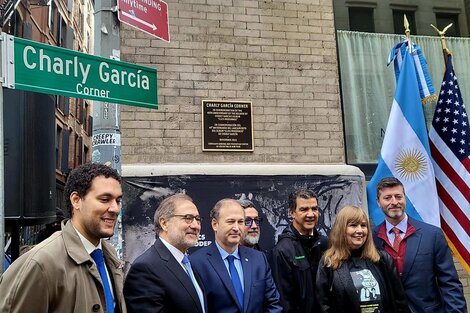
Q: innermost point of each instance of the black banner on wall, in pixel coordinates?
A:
(142, 196)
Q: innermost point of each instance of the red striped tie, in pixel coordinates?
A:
(396, 242)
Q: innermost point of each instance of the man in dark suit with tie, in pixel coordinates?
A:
(236, 278)
(161, 279)
(420, 252)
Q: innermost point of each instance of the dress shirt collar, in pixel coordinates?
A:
(224, 254)
(402, 226)
(177, 254)
(89, 247)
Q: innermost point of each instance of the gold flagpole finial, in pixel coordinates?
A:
(442, 34)
(407, 26)
(407, 32)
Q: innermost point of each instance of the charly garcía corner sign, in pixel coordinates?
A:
(33, 66)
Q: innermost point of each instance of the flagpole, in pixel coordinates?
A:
(451, 160)
(442, 33)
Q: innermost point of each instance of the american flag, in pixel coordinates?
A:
(450, 149)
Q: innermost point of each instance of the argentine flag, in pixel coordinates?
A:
(405, 152)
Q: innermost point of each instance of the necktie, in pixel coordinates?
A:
(237, 285)
(190, 273)
(97, 256)
(396, 242)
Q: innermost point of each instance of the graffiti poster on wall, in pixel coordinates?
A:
(142, 195)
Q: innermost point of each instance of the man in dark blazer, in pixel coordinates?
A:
(161, 279)
(236, 278)
(421, 254)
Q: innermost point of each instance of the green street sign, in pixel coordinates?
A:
(54, 70)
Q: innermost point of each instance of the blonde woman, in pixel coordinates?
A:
(353, 276)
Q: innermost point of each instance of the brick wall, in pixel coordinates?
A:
(465, 279)
(279, 54)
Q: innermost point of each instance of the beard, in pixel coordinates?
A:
(394, 214)
(251, 240)
(179, 239)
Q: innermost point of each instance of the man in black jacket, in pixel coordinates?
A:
(294, 260)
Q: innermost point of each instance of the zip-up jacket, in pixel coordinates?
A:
(294, 263)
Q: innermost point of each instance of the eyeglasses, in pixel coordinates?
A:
(249, 221)
(189, 218)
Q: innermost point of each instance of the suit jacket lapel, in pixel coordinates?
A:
(201, 285)
(218, 264)
(380, 233)
(412, 247)
(174, 267)
(247, 269)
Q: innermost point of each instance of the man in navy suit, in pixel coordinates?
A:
(237, 279)
(161, 279)
(420, 252)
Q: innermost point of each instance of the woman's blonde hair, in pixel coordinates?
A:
(339, 251)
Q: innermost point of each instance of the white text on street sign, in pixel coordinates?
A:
(150, 16)
(43, 68)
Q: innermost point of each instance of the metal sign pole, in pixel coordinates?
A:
(106, 145)
(2, 168)
(2, 187)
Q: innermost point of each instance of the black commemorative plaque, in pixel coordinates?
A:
(227, 125)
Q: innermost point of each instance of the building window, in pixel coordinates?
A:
(54, 20)
(86, 120)
(61, 103)
(79, 110)
(86, 153)
(17, 25)
(444, 19)
(361, 19)
(88, 16)
(398, 21)
(63, 33)
(78, 150)
(60, 196)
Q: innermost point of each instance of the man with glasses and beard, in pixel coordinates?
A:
(251, 231)
(162, 279)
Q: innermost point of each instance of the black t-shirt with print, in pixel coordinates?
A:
(368, 283)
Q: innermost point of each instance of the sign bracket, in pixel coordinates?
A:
(8, 57)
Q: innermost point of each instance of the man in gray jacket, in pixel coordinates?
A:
(67, 272)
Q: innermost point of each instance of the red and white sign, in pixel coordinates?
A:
(150, 16)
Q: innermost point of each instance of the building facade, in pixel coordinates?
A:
(387, 16)
(68, 24)
(279, 55)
